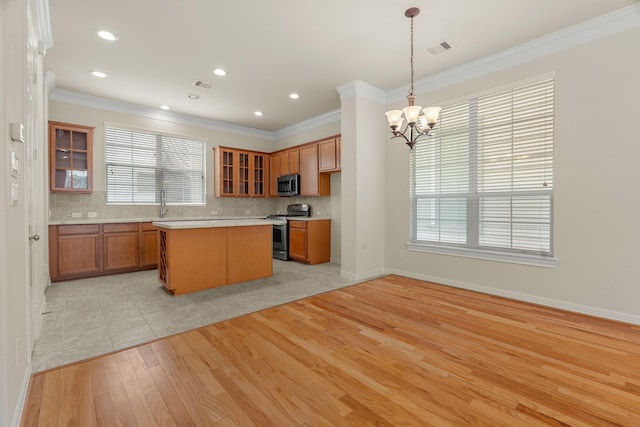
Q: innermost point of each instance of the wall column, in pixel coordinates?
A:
(363, 180)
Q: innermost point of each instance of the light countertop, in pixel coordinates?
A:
(173, 225)
(80, 221)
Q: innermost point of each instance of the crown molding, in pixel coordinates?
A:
(77, 98)
(603, 26)
(309, 124)
(361, 90)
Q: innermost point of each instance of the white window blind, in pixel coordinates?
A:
(139, 164)
(484, 179)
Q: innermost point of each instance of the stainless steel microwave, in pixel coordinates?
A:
(289, 185)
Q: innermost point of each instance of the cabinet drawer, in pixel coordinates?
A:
(297, 224)
(66, 230)
(119, 228)
(147, 226)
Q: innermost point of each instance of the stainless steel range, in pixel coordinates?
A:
(281, 230)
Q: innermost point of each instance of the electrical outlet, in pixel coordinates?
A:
(247, 212)
(214, 213)
(318, 213)
(76, 215)
(92, 214)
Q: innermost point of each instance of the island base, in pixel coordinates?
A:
(193, 259)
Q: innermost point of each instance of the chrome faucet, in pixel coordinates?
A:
(163, 203)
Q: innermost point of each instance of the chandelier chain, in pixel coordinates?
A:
(411, 90)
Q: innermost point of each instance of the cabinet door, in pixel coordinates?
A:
(327, 150)
(339, 152)
(148, 246)
(78, 254)
(312, 182)
(284, 163)
(228, 172)
(298, 244)
(274, 171)
(294, 161)
(259, 178)
(244, 174)
(121, 246)
(70, 157)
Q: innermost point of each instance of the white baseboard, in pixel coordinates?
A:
(17, 414)
(363, 275)
(548, 302)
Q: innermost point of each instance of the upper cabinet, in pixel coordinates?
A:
(285, 162)
(70, 157)
(330, 151)
(312, 182)
(240, 173)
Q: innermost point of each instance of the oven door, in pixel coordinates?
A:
(281, 241)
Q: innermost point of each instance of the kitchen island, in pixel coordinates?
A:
(197, 255)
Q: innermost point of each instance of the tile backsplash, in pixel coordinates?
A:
(63, 206)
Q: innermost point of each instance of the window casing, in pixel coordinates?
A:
(483, 182)
(141, 163)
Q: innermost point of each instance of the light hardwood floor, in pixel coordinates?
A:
(388, 352)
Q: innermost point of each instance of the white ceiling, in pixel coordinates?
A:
(271, 48)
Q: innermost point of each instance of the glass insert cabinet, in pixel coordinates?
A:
(70, 157)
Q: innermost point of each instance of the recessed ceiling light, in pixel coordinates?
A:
(97, 73)
(107, 35)
(193, 96)
(219, 72)
(294, 95)
(165, 107)
(258, 113)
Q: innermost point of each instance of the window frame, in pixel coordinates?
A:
(157, 179)
(471, 248)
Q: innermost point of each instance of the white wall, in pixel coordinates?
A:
(596, 194)
(78, 114)
(14, 311)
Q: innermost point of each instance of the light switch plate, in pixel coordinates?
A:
(15, 165)
(17, 132)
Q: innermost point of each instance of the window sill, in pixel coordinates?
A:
(537, 261)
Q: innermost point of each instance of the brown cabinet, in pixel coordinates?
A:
(294, 160)
(240, 173)
(310, 241)
(75, 250)
(329, 155)
(285, 162)
(88, 250)
(148, 245)
(192, 259)
(274, 173)
(70, 157)
(121, 246)
(312, 182)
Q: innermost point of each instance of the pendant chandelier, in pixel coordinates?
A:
(417, 124)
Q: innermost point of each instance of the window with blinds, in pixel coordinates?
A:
(484, 179)
(139, 164)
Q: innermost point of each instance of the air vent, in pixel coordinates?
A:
(439, 48)
(202, 84)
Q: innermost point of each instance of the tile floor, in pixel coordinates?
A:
(89, 317)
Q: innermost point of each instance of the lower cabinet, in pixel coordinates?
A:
(148, 245)
(87, 250)
(74, 250)
(121, 246)
(310, 241)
